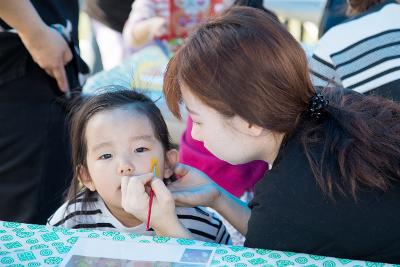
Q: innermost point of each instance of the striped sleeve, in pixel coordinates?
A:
(360, 57)
(204, 225)
(72, 215)
(323, 71)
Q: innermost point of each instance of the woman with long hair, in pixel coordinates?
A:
(333, 188)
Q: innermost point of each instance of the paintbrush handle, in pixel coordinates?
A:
(149, 211)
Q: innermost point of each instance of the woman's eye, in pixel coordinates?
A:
(105, 156)
(141, 149)
(197, 123)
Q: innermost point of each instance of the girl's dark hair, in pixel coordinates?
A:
(88, 106)
(245, 63)
(355, 7)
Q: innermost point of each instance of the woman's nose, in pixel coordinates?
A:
(195, 134)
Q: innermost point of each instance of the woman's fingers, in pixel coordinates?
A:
(137, 184)
(133, 189)
(163, 195)
(181, 199)
(181, 170)
(124, 186)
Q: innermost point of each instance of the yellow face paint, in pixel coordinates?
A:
(154, 167)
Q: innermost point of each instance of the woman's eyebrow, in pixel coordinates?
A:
(191, 111)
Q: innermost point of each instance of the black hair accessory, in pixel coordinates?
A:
(316, 105)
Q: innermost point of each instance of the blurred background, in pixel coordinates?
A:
(303, 18)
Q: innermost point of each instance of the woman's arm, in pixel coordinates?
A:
(194, 188)
(46, 46)
(235, 211)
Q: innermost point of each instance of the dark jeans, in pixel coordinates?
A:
(35, 167)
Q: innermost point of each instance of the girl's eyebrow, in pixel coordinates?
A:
(101, 145)
(145, 137)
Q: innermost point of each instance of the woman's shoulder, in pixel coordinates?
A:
(291, 158)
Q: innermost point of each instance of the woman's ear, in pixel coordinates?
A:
(85, 178)
(246, 127)
(172, 158)
(255, 130)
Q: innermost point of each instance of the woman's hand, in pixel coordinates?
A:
(135, 200)
(136, 195)
(194, 188)
(46, 46)
(50, 51)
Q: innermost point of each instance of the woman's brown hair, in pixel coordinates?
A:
(245, 63)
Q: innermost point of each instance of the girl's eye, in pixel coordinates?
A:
(141, 149)
(197, 123)
(105, 156)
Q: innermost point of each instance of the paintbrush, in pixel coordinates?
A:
(155, 170)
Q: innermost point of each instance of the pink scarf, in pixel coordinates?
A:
(236, 179)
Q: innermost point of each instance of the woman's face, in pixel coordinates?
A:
(229, 139)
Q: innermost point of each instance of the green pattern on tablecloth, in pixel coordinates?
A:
(37, 245)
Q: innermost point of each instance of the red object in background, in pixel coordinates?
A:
(184, 15)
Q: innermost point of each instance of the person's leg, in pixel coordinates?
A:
(34, 160)
(110, 45)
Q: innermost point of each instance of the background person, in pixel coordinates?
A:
(39, 66)
(363, 53)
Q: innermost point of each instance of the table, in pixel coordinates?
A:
(39, 245)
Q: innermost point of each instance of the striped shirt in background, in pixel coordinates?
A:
(203, 224)
(363, 53)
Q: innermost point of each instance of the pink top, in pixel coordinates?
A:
(236, 179)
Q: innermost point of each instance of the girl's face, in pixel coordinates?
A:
(120, 142)
(230, 139)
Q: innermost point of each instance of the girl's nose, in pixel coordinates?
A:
(125, 170)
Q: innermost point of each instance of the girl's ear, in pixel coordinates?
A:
(172, 157)
(85, 179)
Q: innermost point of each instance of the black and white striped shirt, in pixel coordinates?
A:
(363, 53)
(203, 224)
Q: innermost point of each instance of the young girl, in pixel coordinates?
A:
(115, 136)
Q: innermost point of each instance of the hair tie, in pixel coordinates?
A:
(316, 106)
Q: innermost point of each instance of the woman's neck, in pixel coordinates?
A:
(271, 147)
